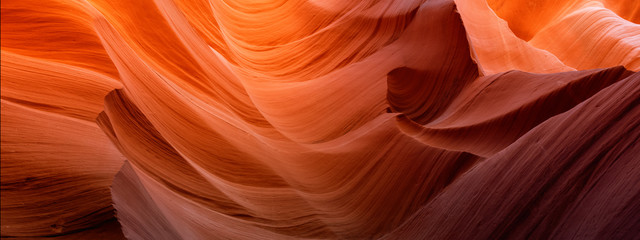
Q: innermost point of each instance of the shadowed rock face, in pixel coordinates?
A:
(196, 119)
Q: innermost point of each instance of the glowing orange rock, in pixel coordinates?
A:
(320, 119)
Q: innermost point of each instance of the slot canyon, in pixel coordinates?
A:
(320, 119)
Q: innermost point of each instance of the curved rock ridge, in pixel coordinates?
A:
(306, 119)
(57, 165)
(551, 180)
(494, 111)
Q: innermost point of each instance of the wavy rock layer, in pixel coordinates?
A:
(320, 119)
(551, 181)
(57, 164)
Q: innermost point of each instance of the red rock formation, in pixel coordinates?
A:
(314, 119)
(57, 164)
(573, 176)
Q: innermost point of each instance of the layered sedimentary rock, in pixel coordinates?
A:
(57, 165)
(551, 181)
(236, 119)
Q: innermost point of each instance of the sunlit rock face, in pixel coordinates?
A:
(310, 119)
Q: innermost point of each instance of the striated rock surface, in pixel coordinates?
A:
(571, 177)
(305, 119)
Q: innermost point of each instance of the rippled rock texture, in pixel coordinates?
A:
(320, 119)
